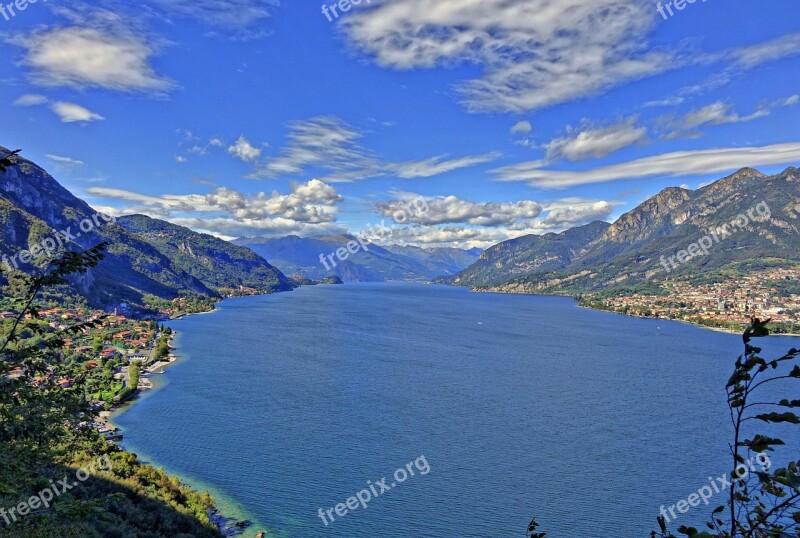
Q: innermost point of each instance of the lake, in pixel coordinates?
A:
(520, 406)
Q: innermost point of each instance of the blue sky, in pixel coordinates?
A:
(241, 117)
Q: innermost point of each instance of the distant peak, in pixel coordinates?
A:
(672, 193)
(746, 173)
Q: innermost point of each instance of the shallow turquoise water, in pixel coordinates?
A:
(521, 406)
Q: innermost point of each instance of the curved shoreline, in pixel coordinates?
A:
(225, 509)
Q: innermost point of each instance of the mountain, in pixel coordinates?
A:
(528, 254)
(440, 261)
(34, 207)
(216, 263)
(755, 220)
(297, 256)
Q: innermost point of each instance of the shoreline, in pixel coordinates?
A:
(686, 322)
(227, 526)
(577, 302)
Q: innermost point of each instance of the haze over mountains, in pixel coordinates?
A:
(301, 257)
(626, 255)
(147, 256)
(150, 256)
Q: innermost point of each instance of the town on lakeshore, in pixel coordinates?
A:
(729, 304)
(116, 357)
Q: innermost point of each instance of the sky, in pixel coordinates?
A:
(508, 117)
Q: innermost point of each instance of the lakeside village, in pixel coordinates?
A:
(118, 357)
(728, 305)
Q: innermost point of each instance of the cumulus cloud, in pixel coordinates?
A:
(570, 212)
(244, 150)
(451, 209)
(308, 206)
(277, 227)
(445, 236)
(596, 142)
(681, 163)
(72, 113)
(451, 221)
(534, 53)
(79, 57)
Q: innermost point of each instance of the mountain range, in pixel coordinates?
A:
(298, 256)
(741, 223)
(147, 256)
(144, 257)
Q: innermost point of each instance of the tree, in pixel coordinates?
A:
(35, 413)
(9, 160)
(763, 504)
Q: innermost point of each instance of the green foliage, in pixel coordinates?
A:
(763, 504)
(45, 433)
(216, 263)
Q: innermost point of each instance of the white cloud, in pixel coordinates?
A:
(563, 214)
(438, 165)
(309, 207)
(71, 113)
(239, 15)
(68, 161)
(534, 53)
(324, 142)
(329, 144)
(667, 101)
(791, 101)
(522, 127)
(452, 210)
(450, 221)
(91, 57)
(570, 212)
(244, 150)
(768, 51)
(30, 100)
(717, 113)
(681, 163)
(596, 142)
(278, 227)
(181, 159)
(741, 60)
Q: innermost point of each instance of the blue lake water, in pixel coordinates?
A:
(521, 405)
